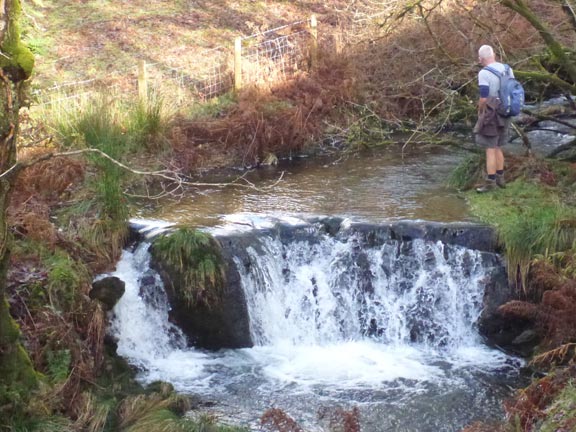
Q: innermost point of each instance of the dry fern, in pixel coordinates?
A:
(554, 316)
(275, 419)
(482, 427)
(560, 356)
(530, 404)
(51, 178)
(341, 420)
(280, 121)
(519, 309)
(95, 334)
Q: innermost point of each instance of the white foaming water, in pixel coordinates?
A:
(323, 313)
(315, 294)
(140, 323)
(348, 364)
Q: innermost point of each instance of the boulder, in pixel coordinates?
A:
(108, 290)
(214, 324)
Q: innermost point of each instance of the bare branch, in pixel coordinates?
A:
(545, 117)
(523, 9)
(171, 176)
(525, 139)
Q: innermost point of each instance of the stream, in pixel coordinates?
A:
(312, 356)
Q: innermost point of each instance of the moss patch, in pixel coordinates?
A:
(17, 375)
(561, 415)
(18, 58)
(195, 257)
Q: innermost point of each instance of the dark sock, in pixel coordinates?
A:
(492, 177)
(500, 172)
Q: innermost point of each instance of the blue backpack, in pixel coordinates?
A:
(511, 93)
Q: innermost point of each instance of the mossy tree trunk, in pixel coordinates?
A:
(17, 375)
(560, 52)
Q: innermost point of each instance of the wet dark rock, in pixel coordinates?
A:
(526, 343)
(228, 325)
(502, 331)
(150, 289)
(499, 330)
(108, 290)
(472, 236)
(526, 337)
(224, 325)
(331, 225)
(147, 280)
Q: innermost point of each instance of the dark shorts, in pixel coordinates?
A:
(494, 141)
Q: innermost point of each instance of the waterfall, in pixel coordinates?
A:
(357, 317)
(140, 324)
(330, 291)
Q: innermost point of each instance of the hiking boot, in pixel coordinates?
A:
(501, 181)
(487, 186)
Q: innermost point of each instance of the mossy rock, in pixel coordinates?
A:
(194, 260)
(203, 288)
(108, 290)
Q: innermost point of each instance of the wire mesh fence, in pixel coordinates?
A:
(266, 57)
(276, 54)
(210, 75)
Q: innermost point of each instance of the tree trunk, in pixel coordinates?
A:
(557, 50)
(17, 375)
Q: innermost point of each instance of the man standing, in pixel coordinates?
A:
(491, 129)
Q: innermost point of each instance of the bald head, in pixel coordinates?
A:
(486, 55)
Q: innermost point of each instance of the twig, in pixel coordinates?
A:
(524, 137)
(545, 117)
(165, 174)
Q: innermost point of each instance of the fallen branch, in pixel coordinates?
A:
(546, 117)
(171, 176)
(524, 137)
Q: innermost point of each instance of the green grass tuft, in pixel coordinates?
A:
(561, 414)
(48, 424)
(58, 365)
(212, 108)
(530, 219)
(467, 172)
(65, 277)
(196, 256)
(149, 123)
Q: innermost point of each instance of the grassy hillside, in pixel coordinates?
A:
(76, 40)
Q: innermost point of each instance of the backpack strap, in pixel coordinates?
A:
(495, 72)
(498, 74)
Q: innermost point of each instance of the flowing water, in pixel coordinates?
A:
(374, 186)
(392, 334)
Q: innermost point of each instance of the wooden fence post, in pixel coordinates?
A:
(337, 43)
(238, 63)
(313, 42)
(142, 81)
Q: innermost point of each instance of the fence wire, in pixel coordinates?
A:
(208, 77)
(270, 56)
(275, 55)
